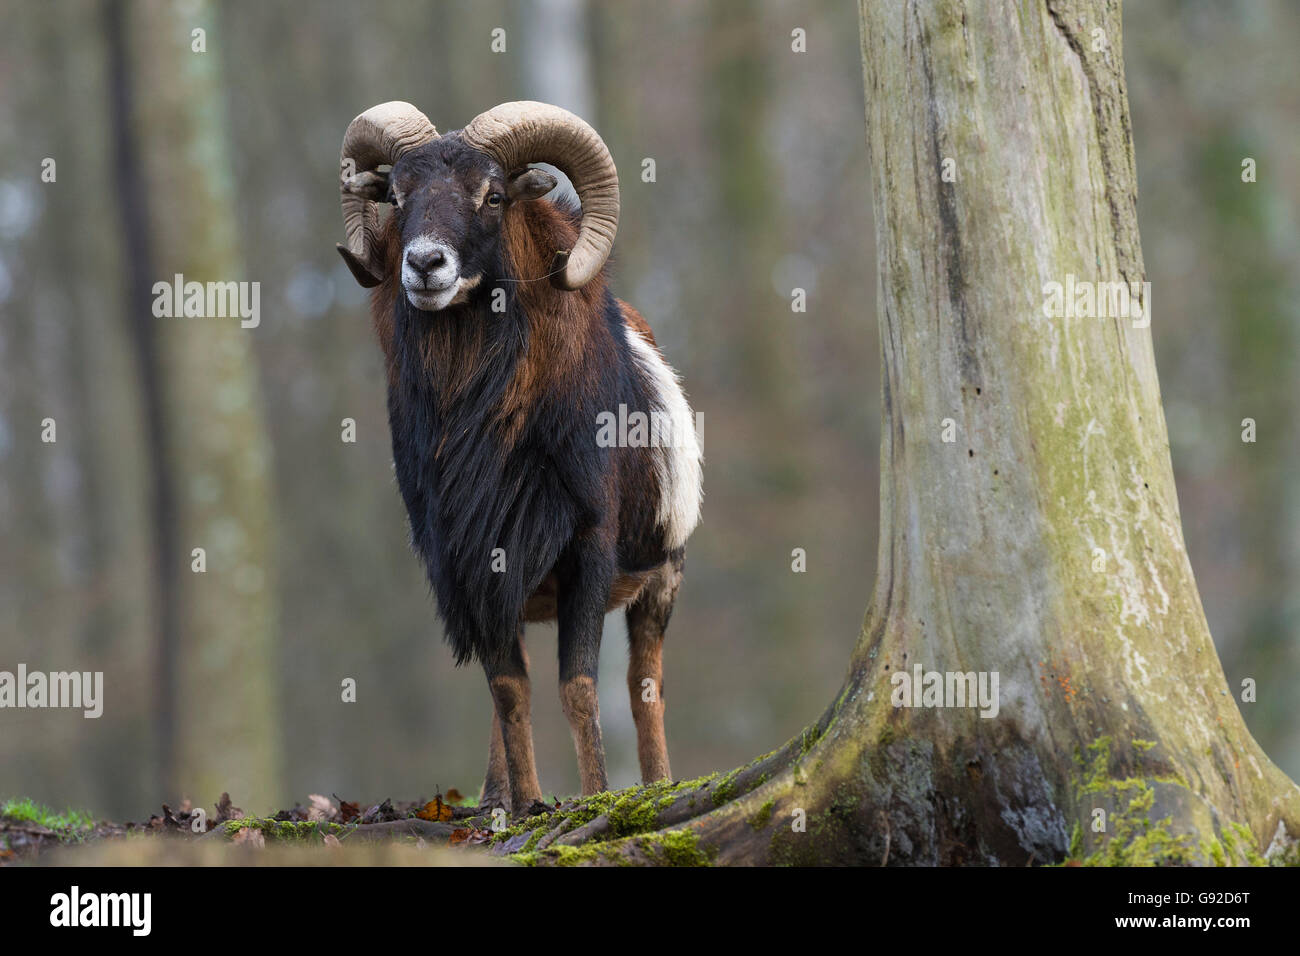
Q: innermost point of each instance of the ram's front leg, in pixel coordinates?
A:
(512, 698)
(586, 577)
(496, 782)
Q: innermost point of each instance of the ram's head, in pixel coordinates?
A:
(450, 193)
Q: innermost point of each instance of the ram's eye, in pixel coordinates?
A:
(494, 199)
(392, 198)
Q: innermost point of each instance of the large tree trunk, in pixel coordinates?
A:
(1111, 693)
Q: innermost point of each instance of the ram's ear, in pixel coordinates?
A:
(371, 184)
(530, 184)
(359, 270)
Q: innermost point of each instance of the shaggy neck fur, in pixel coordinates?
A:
(493, 422)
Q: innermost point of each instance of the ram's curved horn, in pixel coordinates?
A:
(377, 137)
(516, 134)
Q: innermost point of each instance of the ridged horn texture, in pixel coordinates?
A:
(522, 132)
(377, 137)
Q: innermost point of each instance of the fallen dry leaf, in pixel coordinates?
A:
(349, 811)
(435, 810)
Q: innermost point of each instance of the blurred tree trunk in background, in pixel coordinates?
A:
(557, 63)
(70, 559)
(143, 328)
(225, 728)
(757, 360)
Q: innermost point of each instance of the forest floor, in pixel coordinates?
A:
(446, 830)
(648, 825)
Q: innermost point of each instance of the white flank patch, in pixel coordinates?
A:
(677, 459)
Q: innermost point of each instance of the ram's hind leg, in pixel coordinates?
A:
(647, 618)
(512, 728)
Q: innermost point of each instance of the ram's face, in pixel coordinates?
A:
(449, 201)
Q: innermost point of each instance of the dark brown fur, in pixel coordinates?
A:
(489, 412)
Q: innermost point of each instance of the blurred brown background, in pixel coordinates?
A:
(761, 186)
